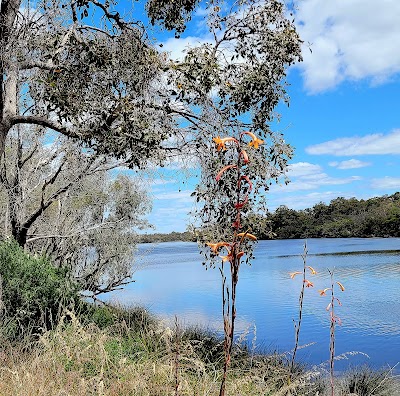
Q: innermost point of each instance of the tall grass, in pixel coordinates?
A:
(138, 357)
(77, 359)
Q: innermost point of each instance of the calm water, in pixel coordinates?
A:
(171, 281)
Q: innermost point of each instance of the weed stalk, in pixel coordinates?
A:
(333, 320)
(234, 248)
(297, 325)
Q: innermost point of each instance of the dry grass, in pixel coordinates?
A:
(84, 360)
(77, 360)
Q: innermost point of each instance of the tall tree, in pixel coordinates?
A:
(62, 202)
(80, 68)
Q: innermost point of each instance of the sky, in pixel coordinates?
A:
(344, 114)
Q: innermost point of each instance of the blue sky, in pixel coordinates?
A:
(344, 115)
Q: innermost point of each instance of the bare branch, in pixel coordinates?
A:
(42, 121)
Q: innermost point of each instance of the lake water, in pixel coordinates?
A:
(172, 281)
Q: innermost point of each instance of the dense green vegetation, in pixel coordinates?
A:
(341, 218)
(171, 237)
(32, 292)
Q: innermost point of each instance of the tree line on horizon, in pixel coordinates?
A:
(341, 218)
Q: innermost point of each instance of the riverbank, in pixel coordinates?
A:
(114, 351)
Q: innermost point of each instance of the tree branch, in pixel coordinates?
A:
(42, 121)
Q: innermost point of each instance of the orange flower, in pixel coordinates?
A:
(313, 272)
(228, 257)
(255, 142)
(323, 292)
(221, 142)
(341, 286)
(240, 254)
(216, 246)
(224, 169)
(247, 235)
(245, 157)
(293, 274)
(308, 283)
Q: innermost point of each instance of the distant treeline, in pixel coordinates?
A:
(171, 237)
(341, 218)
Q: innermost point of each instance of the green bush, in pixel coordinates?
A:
(33, 292)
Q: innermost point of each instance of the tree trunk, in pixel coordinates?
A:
(9, 73)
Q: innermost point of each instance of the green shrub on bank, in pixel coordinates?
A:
(33, 292)
(134, 318)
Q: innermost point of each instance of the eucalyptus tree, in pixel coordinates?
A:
(65, 203)
(82, 70)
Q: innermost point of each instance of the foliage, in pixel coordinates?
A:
(66, 204)
(84, 70)
(33, 292)
(98, 82)
(365, 381)
(341, 218)
(136, 318)
(173, 236)
(173, 15)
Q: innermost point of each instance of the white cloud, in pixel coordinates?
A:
(385, 183)
(307, 176)
(303, 169)
(162, 182)
(350, 40)
(304, 201)
(313, 182)
(366, 145)
(175, 195)
(349, 164)
(201, 12)
(177, 47)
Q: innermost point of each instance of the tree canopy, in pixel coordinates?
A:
(58, 201)
(82, 69)
(341, 218)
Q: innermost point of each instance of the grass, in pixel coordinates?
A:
(129, 352)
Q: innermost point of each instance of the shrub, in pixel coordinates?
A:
(32, 292)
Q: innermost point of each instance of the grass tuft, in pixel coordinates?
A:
(132, 353)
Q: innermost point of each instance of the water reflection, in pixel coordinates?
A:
(173, 281)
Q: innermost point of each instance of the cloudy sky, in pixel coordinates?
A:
(344, 116)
